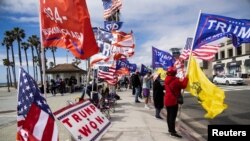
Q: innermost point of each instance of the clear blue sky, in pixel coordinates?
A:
(161, 23)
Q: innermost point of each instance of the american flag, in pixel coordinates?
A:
(34, 117)
(110, 7)
(103, 35)
(108, 74)
(122, 39)
(205, 52)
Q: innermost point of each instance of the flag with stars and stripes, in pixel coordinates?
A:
(35, 120)
(110, 7)
(108, 74)
(205, 52)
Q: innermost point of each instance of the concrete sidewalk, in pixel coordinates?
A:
(130, 121)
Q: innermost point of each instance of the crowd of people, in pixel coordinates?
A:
(165, 93)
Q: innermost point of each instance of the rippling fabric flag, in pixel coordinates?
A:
(161, 72)
(132, 67)
(205, 52)
(208, 95)
(161, 59)
(124, 63)
(107, 51)
(213, 27)
(108, 74)
(110, 7)
(103, 39)
(112, 25)
(144, 70)
(122, 39)
(66, 24)
(35, 120)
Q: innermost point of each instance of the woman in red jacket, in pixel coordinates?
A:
(173, 87)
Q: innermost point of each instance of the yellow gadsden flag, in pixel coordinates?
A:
(162, 73)
(209, 96)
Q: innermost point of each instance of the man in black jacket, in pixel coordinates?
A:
(137, 86)
(132, 83)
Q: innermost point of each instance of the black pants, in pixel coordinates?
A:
(171, 117)
(157, 112)
(133, 90)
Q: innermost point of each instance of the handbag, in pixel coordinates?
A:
(180, 99)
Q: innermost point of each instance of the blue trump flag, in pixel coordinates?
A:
(132, 67)
(124, 63)
(144, 70)
(161, 59)
(213, 27)
(121, 63)
(112, 25)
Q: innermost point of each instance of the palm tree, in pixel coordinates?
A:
(7, 44)
(35, 59)
(35, 43)
(25, 47)
(51, 64)
(18, 34)
(39, 61)
(8, 41)
(7, 63)
(53, 50)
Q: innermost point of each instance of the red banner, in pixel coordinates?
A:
(66, 24)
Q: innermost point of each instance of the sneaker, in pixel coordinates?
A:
(158, 117)
(137, 101)
(146, 106)
(176, 135)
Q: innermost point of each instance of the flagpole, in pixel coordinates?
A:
(192, 43)
(42, 52)
(87, 78)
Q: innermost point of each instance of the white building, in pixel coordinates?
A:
(232, 60)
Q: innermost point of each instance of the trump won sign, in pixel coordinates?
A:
(84, 121)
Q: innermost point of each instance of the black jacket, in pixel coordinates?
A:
(136, 80)
(158, 94)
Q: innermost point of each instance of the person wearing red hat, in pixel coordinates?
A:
(173, 87)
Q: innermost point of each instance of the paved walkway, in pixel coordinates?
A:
(130, 121)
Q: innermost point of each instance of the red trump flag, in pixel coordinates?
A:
(66, 24)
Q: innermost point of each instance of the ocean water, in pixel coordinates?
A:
(3, 84)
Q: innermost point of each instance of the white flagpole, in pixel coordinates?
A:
(42, 51)
(192, 44)
(86, 86)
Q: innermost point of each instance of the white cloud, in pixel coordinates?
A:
(25, 19)
(160, 23)
(29, 7)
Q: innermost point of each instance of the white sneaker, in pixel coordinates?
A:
(146, 107)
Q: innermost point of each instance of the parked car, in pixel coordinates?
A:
(228, 79)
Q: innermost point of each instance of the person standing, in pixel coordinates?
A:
(173, 87)
(137, 85)
(146, 88)
(53, 87)
(132, 79)
(158, 95)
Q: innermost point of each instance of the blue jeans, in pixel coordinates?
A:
(137, 93)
